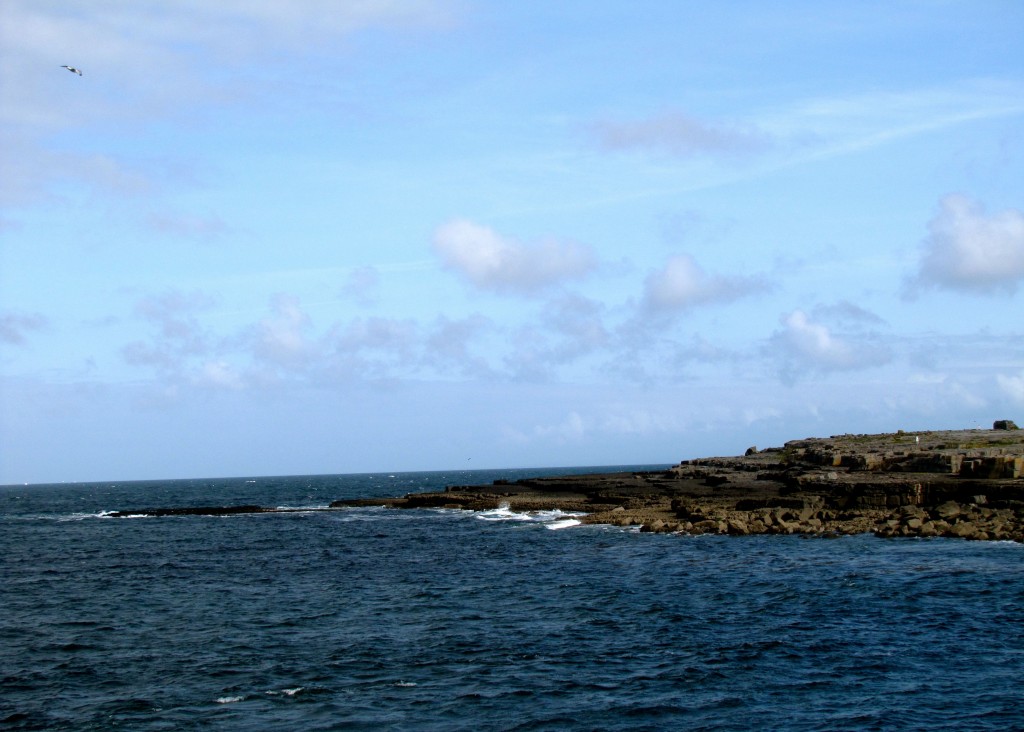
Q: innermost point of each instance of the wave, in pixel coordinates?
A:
(285, 692)
(235, 698)
(553, 519)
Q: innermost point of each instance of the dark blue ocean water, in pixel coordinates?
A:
(451, 620)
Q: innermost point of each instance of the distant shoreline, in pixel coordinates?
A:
(966, 484)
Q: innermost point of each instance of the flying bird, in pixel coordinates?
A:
(72, 69)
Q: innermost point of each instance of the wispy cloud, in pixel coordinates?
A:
(448, 348)
(846, 311)
(187, 226)
(681, 134)
(362, 285)
(201, 53)
(838, 125)
(796, 132)
(180, 334)
(15, 327)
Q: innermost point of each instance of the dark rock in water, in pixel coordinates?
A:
(193, 511)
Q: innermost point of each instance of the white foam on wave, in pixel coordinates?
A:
(77, 516)
(502, 513)
(554, 519)
(562, 524)
(285, 692)
(229, 699)
(405, 683)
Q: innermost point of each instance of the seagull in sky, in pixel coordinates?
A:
(72, 69)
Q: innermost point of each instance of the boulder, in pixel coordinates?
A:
(705, 527)
(737, 527)
(948, 510)
(965, 530)
(1004, 424)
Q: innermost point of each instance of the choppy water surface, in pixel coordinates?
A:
(447, 620)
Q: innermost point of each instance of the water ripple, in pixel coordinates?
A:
(442, 620)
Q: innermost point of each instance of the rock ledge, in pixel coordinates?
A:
(967, 484)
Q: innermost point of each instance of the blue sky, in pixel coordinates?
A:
(319, 237)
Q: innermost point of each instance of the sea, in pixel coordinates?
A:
(434, 619)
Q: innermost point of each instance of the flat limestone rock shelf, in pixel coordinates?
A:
(967, 484)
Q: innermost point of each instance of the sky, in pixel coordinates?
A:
(314, 237)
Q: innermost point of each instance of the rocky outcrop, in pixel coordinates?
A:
(192, 511)
(966, 484)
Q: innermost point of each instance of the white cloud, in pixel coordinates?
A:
(641, 422)
(804, 345)
(490, 261)
(1012, 387)
(681, 284)
(971, 251)
(570, 429)
(220, 374)
(681, 134)
(144, 59)
(280, 338)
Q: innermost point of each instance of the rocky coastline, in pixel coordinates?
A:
(967, 484)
